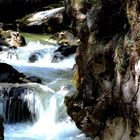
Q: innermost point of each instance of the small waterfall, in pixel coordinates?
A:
(18, 104)
(37, 111)
(51, 112)
(53, 121)
(16, 56)
(41, 55)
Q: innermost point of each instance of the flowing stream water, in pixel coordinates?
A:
(52, 123)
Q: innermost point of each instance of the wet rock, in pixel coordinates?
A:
(63, 52)
(15, 9)
(66, 38)
(107, 68)
(57, 57)
(18, 104)
(34, 79)
(1, 49)
(36, 56)
(68, 45)
(10, 75)
(11, 39)
(1, 128)
(47, 21)
(4, 48)
(33, 58)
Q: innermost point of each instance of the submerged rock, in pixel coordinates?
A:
(33, 58)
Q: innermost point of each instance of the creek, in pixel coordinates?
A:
(52, 122)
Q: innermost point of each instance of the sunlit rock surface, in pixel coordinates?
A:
(12, 39)
(46, 21)
(15, 9)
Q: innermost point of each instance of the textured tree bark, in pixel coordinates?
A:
(106, 103)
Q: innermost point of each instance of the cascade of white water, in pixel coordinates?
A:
(47, 102)
(2, 104)
(54, 122)
(42, 52)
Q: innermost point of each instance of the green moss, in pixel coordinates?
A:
(24, 20)
(138, 34)
(138, 45)
(5, 34)
(122, 60)
(76, 79)
(74, 2)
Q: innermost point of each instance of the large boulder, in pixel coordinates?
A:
(106, 103)
(68, 44)
(63, 52)
(46, 21)
(18, 103)
(10, 75)
(12, 39)
(15, 9)
(1, 128)
(66, 38)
